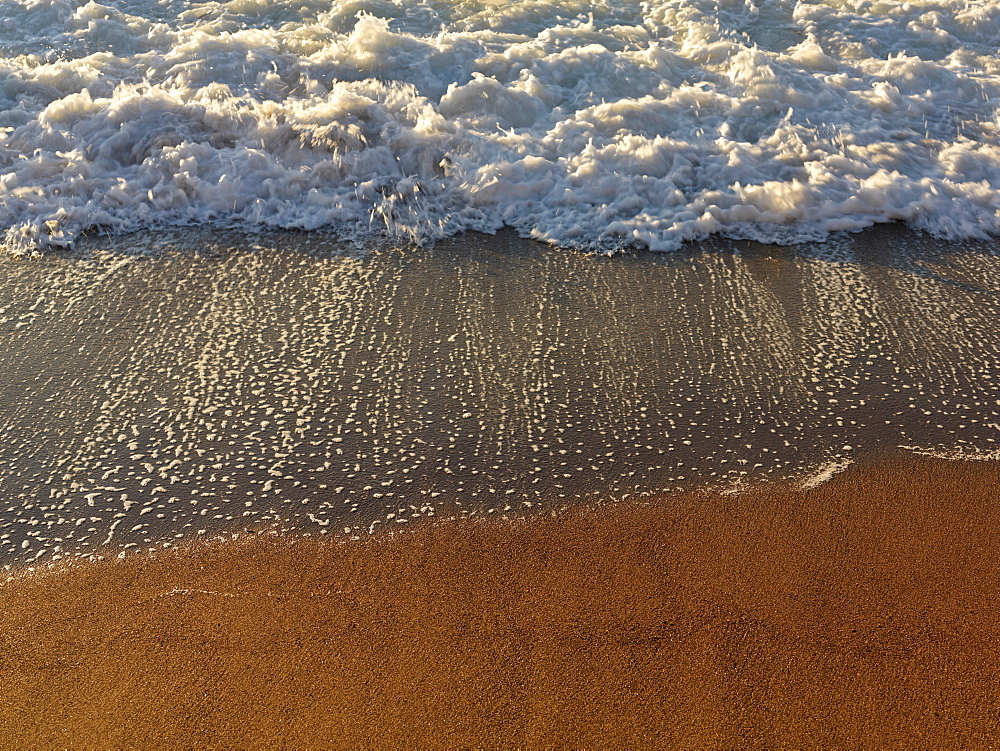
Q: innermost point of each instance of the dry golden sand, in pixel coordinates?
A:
(863, 612)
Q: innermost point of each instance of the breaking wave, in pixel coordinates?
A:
(594, 126)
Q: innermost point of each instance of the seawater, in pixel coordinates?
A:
(591, 125)
(158, 387)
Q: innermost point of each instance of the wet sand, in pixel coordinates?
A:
(215, 382)
(863, 612)
(486, 396)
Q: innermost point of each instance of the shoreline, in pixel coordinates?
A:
(281, 383)
(862, 610)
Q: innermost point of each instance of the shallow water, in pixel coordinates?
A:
(156, 387)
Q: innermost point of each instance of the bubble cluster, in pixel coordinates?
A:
(160, 387)
(594, 125)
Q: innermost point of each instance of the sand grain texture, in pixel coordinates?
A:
(860, 612)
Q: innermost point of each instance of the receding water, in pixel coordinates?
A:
(157, 387)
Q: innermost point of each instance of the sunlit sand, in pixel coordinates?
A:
(861, 612)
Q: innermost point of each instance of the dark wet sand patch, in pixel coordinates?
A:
(864, 611)
(171, 384)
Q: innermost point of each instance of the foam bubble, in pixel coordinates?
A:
(595, 126)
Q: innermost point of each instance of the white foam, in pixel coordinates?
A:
(956, 453)
(588, 125)
(824, 473)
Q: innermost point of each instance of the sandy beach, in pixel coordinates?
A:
(495, 495)
(500, 375)
(862, 612)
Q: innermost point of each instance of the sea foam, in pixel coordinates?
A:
(594, 126)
